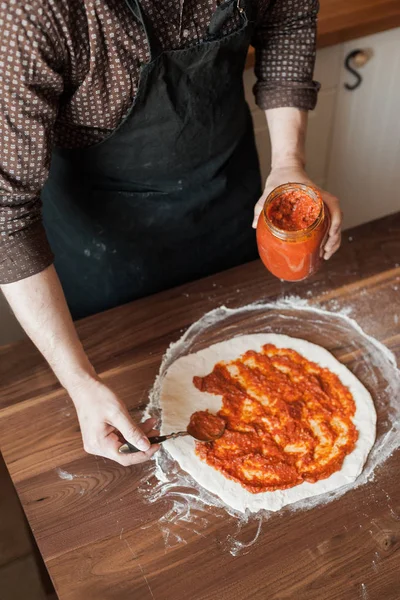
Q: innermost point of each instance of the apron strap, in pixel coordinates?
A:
(139, 14)
(224, 12)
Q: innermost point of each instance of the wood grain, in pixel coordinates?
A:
(344, 20)
(100, 537)
(340, 20)
(20, 572)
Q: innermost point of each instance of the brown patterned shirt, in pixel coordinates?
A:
(69, 72)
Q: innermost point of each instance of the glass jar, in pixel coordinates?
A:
(293, 255)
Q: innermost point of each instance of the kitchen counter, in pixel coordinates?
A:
(344, 20)
(101, 539)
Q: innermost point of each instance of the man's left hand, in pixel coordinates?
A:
(281, 175)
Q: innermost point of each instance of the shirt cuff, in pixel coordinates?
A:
(24, 254)
(279, 95)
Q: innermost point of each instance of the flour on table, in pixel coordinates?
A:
(65, 475)
(179, 399)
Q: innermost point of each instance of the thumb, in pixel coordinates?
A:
(131, 432)
(334, 212)
(257, 211)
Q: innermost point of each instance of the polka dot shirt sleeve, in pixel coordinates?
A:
(30, 85)
(285, 44)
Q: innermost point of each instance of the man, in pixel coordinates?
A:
(154, 173)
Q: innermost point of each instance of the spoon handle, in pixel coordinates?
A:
(128, 448)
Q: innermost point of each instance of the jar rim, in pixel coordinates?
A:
(311, 192)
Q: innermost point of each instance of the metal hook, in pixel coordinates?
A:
(360, 57)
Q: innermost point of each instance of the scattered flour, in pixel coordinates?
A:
(65, 475)
(70, 476)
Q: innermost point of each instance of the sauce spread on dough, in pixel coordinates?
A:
(204, 425)
(293, 211)
(288, 420)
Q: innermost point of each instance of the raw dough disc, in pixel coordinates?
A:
(179, 399)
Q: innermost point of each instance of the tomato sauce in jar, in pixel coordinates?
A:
(292, 230)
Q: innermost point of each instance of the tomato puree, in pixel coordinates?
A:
(292, 230)
(293, 211)
(205, 425)
(288, 420)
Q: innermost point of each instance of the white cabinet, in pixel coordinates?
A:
(364, 166)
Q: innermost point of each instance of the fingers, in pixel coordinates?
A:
(132, 432)
(153, 433)
(104, 421)
(334, 209)
(334, 237)
(109, 444)
(257, 211)
(332, 247)
(139, 457)
(126, 460)
(148, 425)
(135, 458)
(110, 447)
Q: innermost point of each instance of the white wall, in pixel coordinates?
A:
(364, 163)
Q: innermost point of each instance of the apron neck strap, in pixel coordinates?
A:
(138, 12)
(225, 11)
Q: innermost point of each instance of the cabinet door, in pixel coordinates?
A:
(364, 166)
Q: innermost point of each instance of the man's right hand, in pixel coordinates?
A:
(101, 415)
(39, 304)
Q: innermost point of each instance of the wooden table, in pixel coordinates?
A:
(100, 538)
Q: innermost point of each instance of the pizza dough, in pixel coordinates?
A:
(179, 399)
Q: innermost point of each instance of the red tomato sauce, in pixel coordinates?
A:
(288, 420)
(292, 230)
(293, 211)
(205, 425)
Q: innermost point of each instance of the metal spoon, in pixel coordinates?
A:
(199, 436)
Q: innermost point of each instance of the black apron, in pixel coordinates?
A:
(169, 196)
